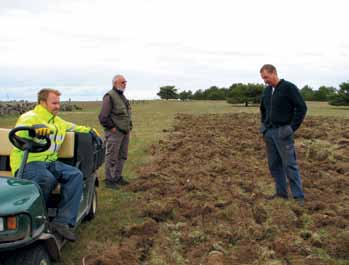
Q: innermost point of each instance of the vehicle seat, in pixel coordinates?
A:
(5, 150)
(66, 152)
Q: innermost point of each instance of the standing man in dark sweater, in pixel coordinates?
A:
(282, 112)
(115, 117)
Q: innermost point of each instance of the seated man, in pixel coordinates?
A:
(44, 169)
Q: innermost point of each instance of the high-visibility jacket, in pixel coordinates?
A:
(58, 128)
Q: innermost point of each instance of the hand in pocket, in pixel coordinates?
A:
(285, 131)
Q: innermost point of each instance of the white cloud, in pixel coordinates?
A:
(192, 44)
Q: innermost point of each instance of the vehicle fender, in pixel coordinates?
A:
(53, 245)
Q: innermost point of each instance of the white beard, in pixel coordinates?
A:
(121, 89)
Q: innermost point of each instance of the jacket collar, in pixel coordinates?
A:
(43, 112)
(280, 82)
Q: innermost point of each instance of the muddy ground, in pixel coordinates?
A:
(204, 198)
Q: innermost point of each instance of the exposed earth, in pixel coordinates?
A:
(204, 198)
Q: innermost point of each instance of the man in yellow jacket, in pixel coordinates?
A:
(44, 168)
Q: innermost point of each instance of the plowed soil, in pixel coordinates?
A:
(204, 198)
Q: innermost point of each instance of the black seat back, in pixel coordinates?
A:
(88, 156)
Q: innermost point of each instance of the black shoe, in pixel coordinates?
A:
(276, 196)
(63, 230)
(111, 184)
(122, 181)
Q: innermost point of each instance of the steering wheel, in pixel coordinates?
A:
(28, 144)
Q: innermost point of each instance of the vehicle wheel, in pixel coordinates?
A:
(36, 255)
(93, 206)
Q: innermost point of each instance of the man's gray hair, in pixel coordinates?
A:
(115, 78)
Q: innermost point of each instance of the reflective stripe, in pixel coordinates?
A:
(52, 147)
(72, 128)
(55, 146)
(58, 146)
(60, 138)
(56, 142)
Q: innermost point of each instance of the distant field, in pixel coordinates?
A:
(160, 109)
(152, 121)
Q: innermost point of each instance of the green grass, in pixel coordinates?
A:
(150, 120)
(323, 109)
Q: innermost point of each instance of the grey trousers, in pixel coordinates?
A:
(116, 154)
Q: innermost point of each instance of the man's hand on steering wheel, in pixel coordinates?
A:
(41, 131)
(24, 143)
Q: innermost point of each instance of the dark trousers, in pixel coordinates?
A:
(47, 175)
(282, 161)
(116, 154)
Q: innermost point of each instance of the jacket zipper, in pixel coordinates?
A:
(271, 106)
(55, 137)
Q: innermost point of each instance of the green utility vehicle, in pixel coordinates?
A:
(25, 234)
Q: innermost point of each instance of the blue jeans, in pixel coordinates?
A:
(47, 175)
(282, 161)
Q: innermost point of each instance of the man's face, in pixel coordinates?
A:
(270, 78)
(120, 83)
(52, 103)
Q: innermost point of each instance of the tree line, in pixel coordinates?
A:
(251, 93)
(336, 97)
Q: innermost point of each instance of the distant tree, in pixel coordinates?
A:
(242, 93)
(255, 92)
(185, 95)
(233, 88)
(324, 93)
(307, 92)
(198, 95)
(236, 93)
(342, 97)
(168, 92)
(215, 93)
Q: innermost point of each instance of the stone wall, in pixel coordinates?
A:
(19, 107)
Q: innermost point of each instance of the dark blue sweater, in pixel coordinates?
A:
(285, 106)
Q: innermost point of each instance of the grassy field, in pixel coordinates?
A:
(151, 121)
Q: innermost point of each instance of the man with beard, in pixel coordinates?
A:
(115, 117)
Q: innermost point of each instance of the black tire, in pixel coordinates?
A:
(36, 255)
(93, 206)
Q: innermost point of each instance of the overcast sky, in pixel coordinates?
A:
(78, 45)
